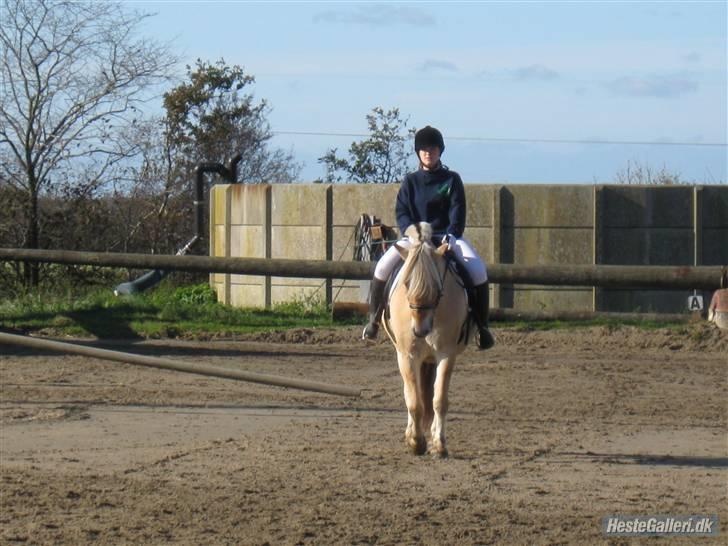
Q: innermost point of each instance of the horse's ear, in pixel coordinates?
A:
(442, 249)
(402, 251)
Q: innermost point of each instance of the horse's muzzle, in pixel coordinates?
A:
(421, 333)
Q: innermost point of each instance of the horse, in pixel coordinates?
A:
(427, 319)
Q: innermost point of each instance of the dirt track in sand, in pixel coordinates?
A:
(548, 433)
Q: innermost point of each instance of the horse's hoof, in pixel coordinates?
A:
(439, 453)
(418, 446)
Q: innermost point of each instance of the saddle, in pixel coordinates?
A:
(463, 279)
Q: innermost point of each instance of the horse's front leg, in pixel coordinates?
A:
(414, 434)
(440, 405)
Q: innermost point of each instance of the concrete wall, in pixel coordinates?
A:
(299, 220)
(240, 226)
(519, 224)
(348, 203)
(546, 225)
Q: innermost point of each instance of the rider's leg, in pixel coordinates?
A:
(475, 267)
(377, 298)
(481, 305)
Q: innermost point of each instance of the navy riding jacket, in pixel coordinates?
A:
(437, 197)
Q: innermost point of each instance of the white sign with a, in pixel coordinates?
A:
(695, 303)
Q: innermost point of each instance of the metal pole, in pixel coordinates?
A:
(626, 276)
(185, 367)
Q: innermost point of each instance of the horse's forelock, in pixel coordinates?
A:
(421, 273)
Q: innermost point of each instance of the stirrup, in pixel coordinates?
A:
(370, 331)
(485, 339)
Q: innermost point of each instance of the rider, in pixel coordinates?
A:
(436, 195)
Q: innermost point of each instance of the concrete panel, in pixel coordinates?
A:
(715, 208)
(650, 246)
(640, 206)
(219, 289)
(298, 204)
(244, 295)
(283, 294)
(248, 204)
(479, 199)
(342, 247)
(715, 246)
(350, 201)
(299, 217)
(539, 298)
(348, 294)
(545, 246)
(547, 206)
(220, 241)
(644, 301)
(219, 194)
(247, 241)
(298, 242)
(671, 207)
(295, 281)
(344, 284)
(218, 249)
(480, 238)
(249, 280)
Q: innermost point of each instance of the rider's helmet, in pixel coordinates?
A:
(429, 136)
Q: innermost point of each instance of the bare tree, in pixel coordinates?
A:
(72, 74)
(638, 173)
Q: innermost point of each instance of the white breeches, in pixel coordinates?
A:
(463, 252)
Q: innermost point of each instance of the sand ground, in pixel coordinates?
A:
(548, 433)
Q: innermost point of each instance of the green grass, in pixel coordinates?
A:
(164, 312)
(192, 311)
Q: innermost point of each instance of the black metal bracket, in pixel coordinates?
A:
(152, 278)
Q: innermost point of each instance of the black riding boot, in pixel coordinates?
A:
(376, 304)
(480, 310)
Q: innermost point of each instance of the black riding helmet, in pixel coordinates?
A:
(429, 136)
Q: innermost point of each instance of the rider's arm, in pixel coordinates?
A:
(402, 208)
(457, 208)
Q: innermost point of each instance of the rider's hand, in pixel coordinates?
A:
(450, 240)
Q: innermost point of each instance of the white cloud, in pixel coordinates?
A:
(534, 72)
(377, 15)
(653, 86)
(434, 65)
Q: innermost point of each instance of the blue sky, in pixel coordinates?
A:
(483, 71)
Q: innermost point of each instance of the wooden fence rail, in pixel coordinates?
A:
(608, 276)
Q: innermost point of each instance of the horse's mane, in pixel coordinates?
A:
(420, 272)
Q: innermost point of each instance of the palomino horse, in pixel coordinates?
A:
(427, 311)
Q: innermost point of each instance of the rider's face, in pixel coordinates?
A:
(429, 157)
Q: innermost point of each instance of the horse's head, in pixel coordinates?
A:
(423, 276)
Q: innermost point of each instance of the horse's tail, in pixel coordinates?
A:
(428, 371)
